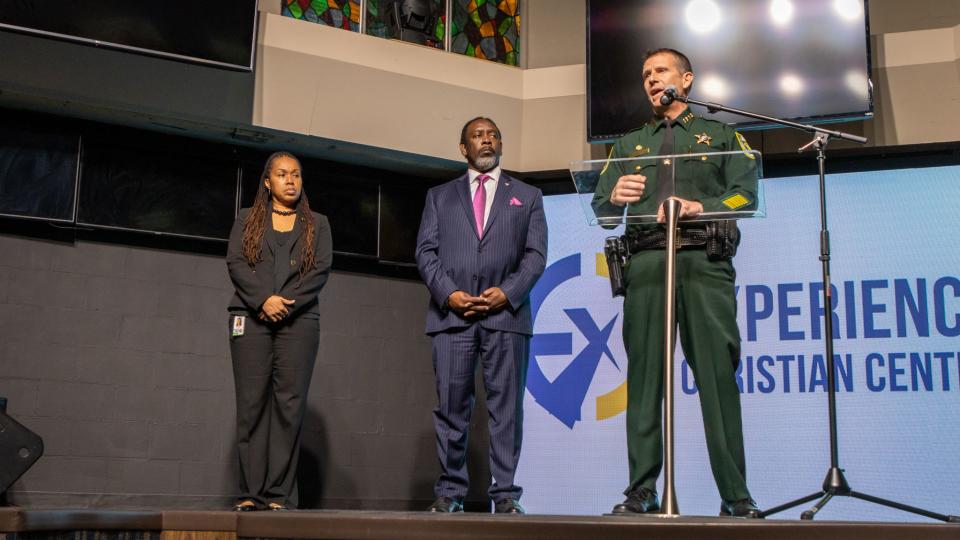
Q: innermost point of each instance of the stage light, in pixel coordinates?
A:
(713, 86)
(703, 16)
(857, 82)
(791, 84)
(781, 12)
(849, 10)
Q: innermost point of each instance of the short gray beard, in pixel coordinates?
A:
(486, 163)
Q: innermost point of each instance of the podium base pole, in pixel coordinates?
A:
(671, 208)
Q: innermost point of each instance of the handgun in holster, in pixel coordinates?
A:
(617, 254)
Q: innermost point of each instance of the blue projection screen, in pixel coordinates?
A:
(895, 267)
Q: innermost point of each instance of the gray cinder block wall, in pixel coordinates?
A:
(118, 357)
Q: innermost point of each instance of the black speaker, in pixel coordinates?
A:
(20, 448)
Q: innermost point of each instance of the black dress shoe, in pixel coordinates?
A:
(246, 505)
(446, 505)
(508, 506)
(743, 508)
(639, 501)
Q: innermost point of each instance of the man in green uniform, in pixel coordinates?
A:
(706, 307)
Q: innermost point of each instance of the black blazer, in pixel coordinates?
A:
(255, 284)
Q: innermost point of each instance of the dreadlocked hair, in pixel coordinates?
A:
(255, 225)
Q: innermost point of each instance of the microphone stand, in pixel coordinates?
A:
(835, 484)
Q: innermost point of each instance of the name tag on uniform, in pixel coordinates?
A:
(238, 322)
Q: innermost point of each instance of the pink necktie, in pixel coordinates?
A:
(480, 203)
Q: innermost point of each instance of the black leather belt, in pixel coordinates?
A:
(687, 237)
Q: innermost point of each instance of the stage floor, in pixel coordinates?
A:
(340, 524)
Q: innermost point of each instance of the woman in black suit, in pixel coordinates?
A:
(279, 259)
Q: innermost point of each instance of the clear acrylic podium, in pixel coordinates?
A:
(714, 176)
(726, 183)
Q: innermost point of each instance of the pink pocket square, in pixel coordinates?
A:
(515, 202)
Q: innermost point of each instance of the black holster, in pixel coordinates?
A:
(617, 254)
(723, 237)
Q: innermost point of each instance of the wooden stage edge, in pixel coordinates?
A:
(66, 524)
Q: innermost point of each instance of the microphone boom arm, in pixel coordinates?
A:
(716, 107)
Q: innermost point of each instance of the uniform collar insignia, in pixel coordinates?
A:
(703, 138)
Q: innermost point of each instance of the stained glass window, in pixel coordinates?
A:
(339, 13)
(487, 29)
(416, 21)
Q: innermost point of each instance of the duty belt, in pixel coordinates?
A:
(686, 237)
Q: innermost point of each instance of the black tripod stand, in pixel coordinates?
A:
(835, 484)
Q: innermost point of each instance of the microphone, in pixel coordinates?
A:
(669, 95)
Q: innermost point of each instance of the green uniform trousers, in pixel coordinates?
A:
(706, 314)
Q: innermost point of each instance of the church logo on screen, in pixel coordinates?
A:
(563, 396)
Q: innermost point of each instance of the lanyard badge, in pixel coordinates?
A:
(238, 322)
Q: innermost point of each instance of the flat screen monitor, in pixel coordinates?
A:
(38, 172)
(218, 33)
(401, 207)
(804, 60)
(157, 190)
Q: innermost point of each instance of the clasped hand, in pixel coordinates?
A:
(275, 308)
(490, 301)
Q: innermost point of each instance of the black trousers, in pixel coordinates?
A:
(272, 366)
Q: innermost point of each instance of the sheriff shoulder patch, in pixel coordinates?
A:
(607, 164)
(745, 147)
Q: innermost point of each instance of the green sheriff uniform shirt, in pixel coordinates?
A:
(721, 184)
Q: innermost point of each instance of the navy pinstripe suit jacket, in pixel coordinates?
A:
(511, 254)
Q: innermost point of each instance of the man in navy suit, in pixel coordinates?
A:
(482, 245)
